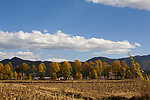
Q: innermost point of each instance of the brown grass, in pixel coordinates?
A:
(80, 89)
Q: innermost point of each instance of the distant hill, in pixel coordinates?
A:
(18, 61)
(143, 61)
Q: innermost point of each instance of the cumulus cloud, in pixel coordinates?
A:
(117, 51)
(20, 54)
(55, 60)
(45, 31)
(58, 41)
(137, 44)
(138, 4)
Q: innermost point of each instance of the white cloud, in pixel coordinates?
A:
(58, 41)
(137, 44)
(23, 55)
(55, 60)
(138, 4)
(117, 51)
(45, 31)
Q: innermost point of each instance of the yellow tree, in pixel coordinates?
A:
(33, 71)
(77, 68)
(7, 71)
(15, 75)
(127, 69)
(54, 69)
(25, 69)
(11, 76)
(122, 71)
(24, 76)
(135, 69)
(78, 76)
(86, 70)
(42, 70)
(66, 70)
(99, 67)
(106, 70)
(20, 76)
(10, 64)
(17, 69)
(91, 64)
(93, 74)
(115, 68)
(1, 70)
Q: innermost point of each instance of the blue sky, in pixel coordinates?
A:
(60, 30)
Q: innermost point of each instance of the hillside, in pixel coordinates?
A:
(143, 60)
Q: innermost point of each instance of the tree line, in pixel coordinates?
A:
(76, 70)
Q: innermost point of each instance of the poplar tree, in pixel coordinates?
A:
(77, 69)
(42, 70)
(66, 70)
(54, 69)
(86, 70)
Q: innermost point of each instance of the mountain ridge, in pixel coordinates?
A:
(142, 60)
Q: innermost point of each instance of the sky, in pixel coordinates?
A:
(66, 30)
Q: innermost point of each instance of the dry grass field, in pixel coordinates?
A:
(71, 90)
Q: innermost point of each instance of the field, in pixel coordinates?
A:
(71, 89)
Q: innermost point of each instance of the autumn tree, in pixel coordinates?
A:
(122, 72)
(18, 69)
(106, 70)
(24, 76)
(86, 70)
(7, 71)
(1, 70)
(10, 64)
(15, 75)
(78, 76)
(54, 69)
(66, 70)
(135, 69)
(127, 69)
(42, 70)
(98, 67)
(20, 76)
(77, 69)
(30, 76)
(115, 68)
(33, 71)
(25, 69)
(91, 64)
(93, 74)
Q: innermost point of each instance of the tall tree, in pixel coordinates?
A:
(106, 70)
(93, 74)
(54, 69)
(78, 76)
(7, 71)
(99, 67)
(115, 68)
(66, 70)
(15, 75)
(42, 70)
(86, 70)
(25, 69)
(127, 69)
(1, 70)
(33, 71)
(17, 69)
(77, 69)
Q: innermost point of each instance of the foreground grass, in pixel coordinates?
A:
(80, 89)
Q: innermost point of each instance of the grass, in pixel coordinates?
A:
(77, 89)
